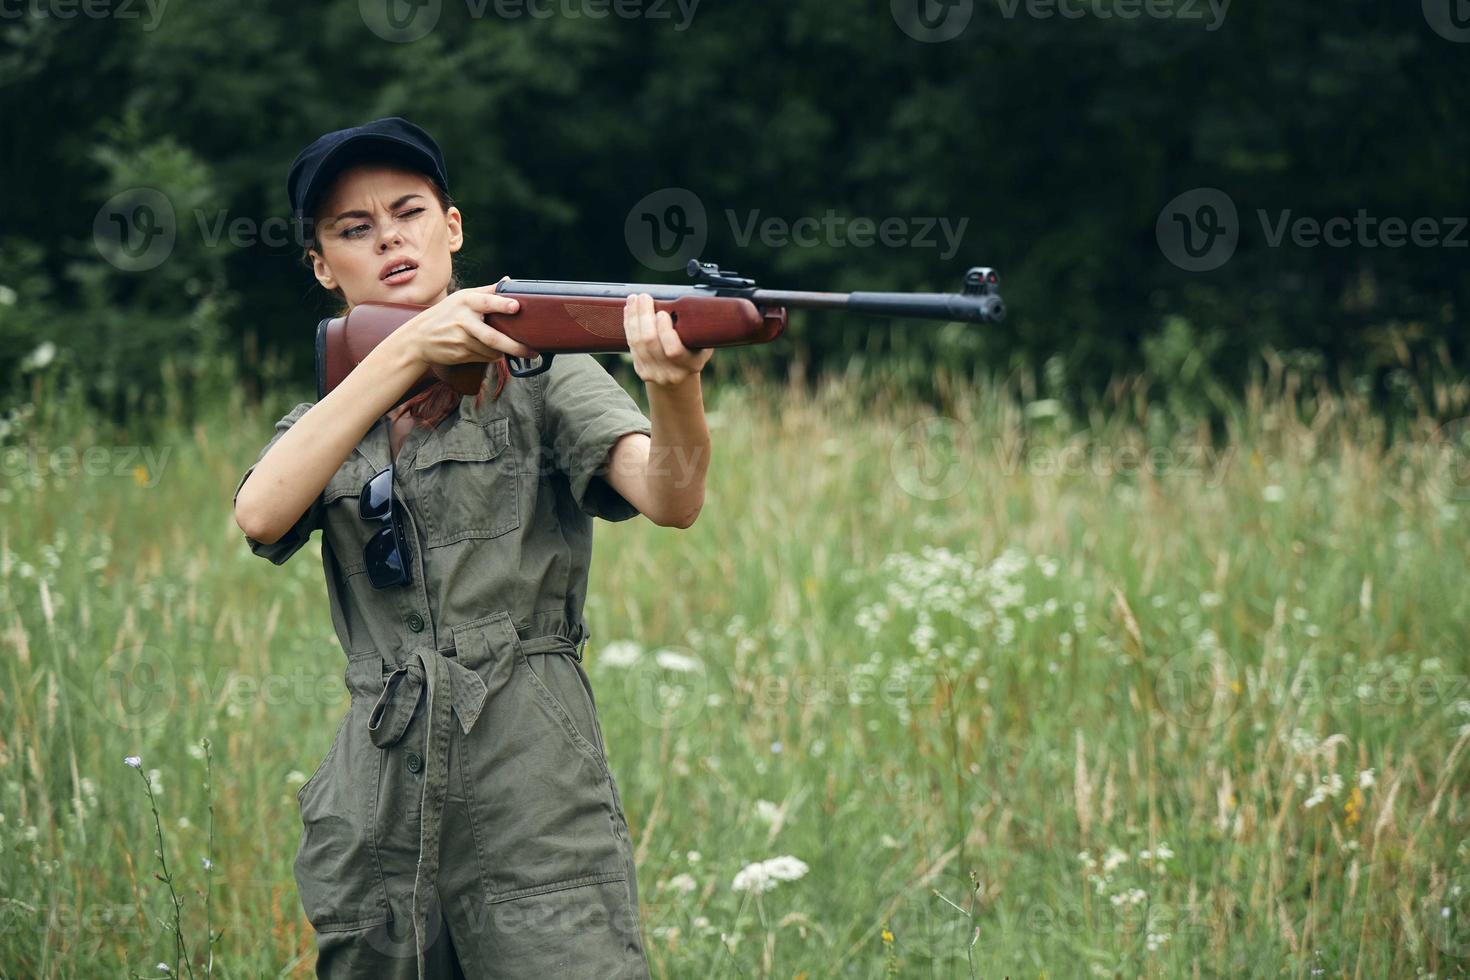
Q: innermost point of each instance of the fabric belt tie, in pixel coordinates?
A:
(451, 685)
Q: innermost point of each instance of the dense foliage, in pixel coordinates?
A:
(1051, 146)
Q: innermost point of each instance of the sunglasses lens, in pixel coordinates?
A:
(385, 561)
(376, 496)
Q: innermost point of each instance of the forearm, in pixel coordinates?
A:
(679, 451)
(296, 469)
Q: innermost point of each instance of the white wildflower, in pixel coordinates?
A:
(675, 661)
(43, 355)
(762, 876)
(1366, 778)
(683, 883)
(619, 653)
(135, 761)
(767, 811)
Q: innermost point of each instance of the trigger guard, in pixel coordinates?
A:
(518, 367)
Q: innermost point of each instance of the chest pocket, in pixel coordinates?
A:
(342, 527)
(466, 482)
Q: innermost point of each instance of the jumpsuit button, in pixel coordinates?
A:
(415, 763)
(415, 622)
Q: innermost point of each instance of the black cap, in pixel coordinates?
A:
(390, 140)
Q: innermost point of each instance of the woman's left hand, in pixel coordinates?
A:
(659, 356)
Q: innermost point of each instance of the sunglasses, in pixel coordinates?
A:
(386, 553)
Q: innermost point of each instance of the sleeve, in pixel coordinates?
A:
(585, 412)
(290, 542)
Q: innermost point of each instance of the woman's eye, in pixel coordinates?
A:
(412, 213)
(353, 231)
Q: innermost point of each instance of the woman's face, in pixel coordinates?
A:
(378, 218)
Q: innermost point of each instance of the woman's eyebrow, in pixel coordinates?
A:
(363, 214)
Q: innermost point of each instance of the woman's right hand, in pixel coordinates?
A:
(454, 331)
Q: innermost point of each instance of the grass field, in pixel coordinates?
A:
(1023, 695)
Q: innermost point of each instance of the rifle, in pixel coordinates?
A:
(722, 309)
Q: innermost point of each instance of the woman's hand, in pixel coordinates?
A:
(659, 356)
(454, 331)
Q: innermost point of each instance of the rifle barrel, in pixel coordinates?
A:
(970, 308)
(978, 308)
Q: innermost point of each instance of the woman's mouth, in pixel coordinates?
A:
(399, 273)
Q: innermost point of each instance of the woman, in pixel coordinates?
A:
(464, 821)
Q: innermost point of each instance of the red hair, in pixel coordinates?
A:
(430, 406)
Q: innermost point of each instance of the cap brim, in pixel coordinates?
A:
(369, 146)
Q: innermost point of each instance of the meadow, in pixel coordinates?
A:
(969, 689)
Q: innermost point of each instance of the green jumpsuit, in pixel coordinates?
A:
(464, 821)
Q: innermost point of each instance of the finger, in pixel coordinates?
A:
(672, 346)
(648, 328)
(483, 302)
(493, 339)
(490, 288)
(633, 324)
